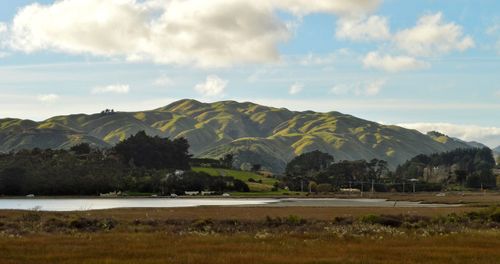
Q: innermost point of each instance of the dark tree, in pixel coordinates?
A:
(240, 186)
(13, 181)
(81, 149)
(256, 167)
(142, 150)
(305, 168)
(227, 161)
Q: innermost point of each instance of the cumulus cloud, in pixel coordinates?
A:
(48, 98)
(393, 63)
(3, 33)
(204, 33)
(363, 29)
(316, 59)
(163, 81)
(212, 87)
(486, 135)
(338, 7)
(494, 31)
(114, 88)
(433, 36)
(367, 88)
(193, 32)
(296, 88)
(373, 88)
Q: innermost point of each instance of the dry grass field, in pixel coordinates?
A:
(121, 248)
(252, 235)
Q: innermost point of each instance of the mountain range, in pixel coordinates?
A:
(253, 133)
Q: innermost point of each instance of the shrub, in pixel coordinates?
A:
(339, 220)
(324, 188)
(495, 216)
(385, 220)
(202, 224)
(369, 219)
(295, 220)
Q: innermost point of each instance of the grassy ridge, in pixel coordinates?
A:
(254, 133)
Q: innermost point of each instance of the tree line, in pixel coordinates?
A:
(472, 168)
(318, 170)
(140, 164)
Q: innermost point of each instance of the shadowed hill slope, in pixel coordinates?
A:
(254, 133)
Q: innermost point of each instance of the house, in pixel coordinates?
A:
(350, 190)
(110, 194)
(191, 193)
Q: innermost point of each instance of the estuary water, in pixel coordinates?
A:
(86, 204)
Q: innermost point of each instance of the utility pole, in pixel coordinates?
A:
(373, 186)
(350, 189)
(413, 181)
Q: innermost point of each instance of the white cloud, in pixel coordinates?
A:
(48, 98)
(193, 32)
(3, 33)
(338, 7)
(212, 87)
(163, 81)
(316, 59)
(393, 63)
(296, 88)
(373, 88)
(363, 29)
(114, 88)
(485, 135)
(341, 89)
(494, 31)
(204, 33)
(367, 88)
(433, 36)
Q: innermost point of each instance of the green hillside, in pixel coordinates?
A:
(254, 133)
(265, 186)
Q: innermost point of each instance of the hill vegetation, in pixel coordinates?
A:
(139, 164)
(470, 167)
(255, 134)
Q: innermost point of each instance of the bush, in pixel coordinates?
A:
(240, 186)
(385, 220)
(495, 216)
(324, 188)
(343, 220)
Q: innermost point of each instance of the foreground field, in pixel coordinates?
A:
(167, 248)
(253, 235)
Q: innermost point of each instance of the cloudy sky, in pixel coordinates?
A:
(428, 64)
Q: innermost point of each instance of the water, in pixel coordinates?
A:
(69, 204)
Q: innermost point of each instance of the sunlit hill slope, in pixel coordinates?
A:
(254, 133)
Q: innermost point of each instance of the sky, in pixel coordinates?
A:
(426, 65)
